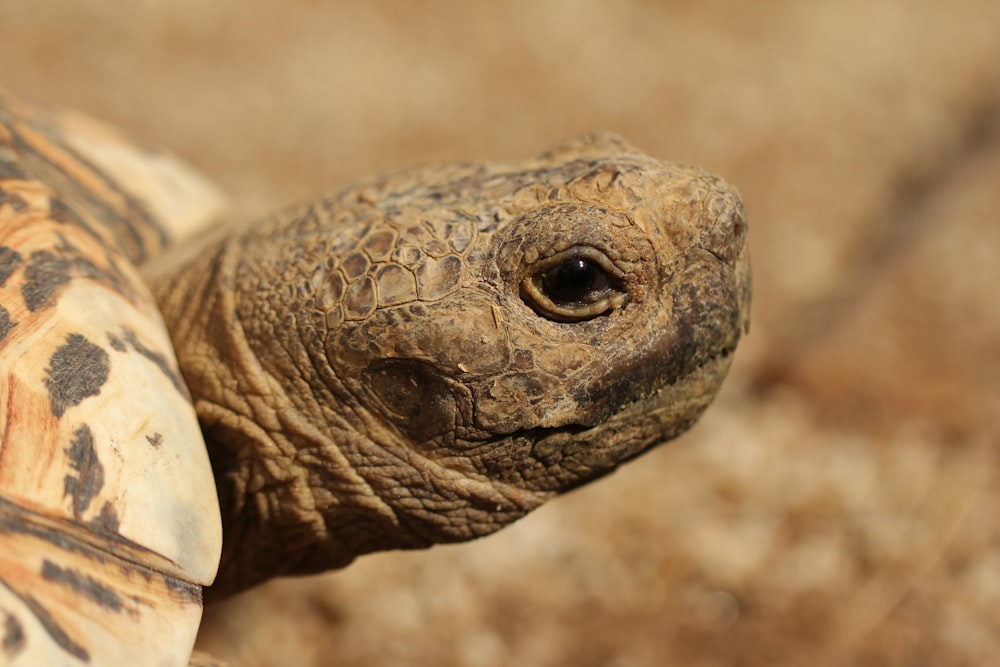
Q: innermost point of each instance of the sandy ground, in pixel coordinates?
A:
(836, 506)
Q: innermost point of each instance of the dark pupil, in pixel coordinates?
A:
(572, 281)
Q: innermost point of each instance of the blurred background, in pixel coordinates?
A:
(838, 503)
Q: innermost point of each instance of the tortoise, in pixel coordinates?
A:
(424, 357)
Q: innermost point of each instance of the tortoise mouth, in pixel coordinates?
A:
(696, 386)
(562, 457)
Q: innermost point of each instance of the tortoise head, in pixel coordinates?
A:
(430, 355)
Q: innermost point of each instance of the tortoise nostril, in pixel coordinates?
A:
(726, 238)
(739, 229)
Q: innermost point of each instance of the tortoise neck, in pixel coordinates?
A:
(290, 499)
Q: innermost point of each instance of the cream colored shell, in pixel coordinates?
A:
(109, 521)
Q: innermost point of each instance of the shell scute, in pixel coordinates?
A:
(58, 359)
(109, 521)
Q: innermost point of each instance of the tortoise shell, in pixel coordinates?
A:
(109, 521)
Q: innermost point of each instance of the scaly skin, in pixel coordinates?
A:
(385, 369)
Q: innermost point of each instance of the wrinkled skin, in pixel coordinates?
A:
(405, 363)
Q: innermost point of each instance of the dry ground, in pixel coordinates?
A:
(837, 506)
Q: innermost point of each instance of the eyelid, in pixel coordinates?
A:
(576, 252)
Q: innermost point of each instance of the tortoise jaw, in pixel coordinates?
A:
(563, 457)
(663, 415)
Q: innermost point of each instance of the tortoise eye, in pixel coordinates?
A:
(574, 285)
(575, 281)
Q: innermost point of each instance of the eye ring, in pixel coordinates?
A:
(574, 285)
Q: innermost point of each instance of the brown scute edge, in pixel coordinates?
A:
(112, 548)
(185, 590)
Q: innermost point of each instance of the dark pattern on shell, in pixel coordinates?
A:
(13, 636)
(47, 272)
(43, 276)
(82, 584)
(10, 259)
(6, 324)
(106, 523)
(117, 344)
(83, 459)
(49, 624)
(160, 361)
(77, 369)
(10, 166)
(131, 223)
(60, 212)
(17, 519)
